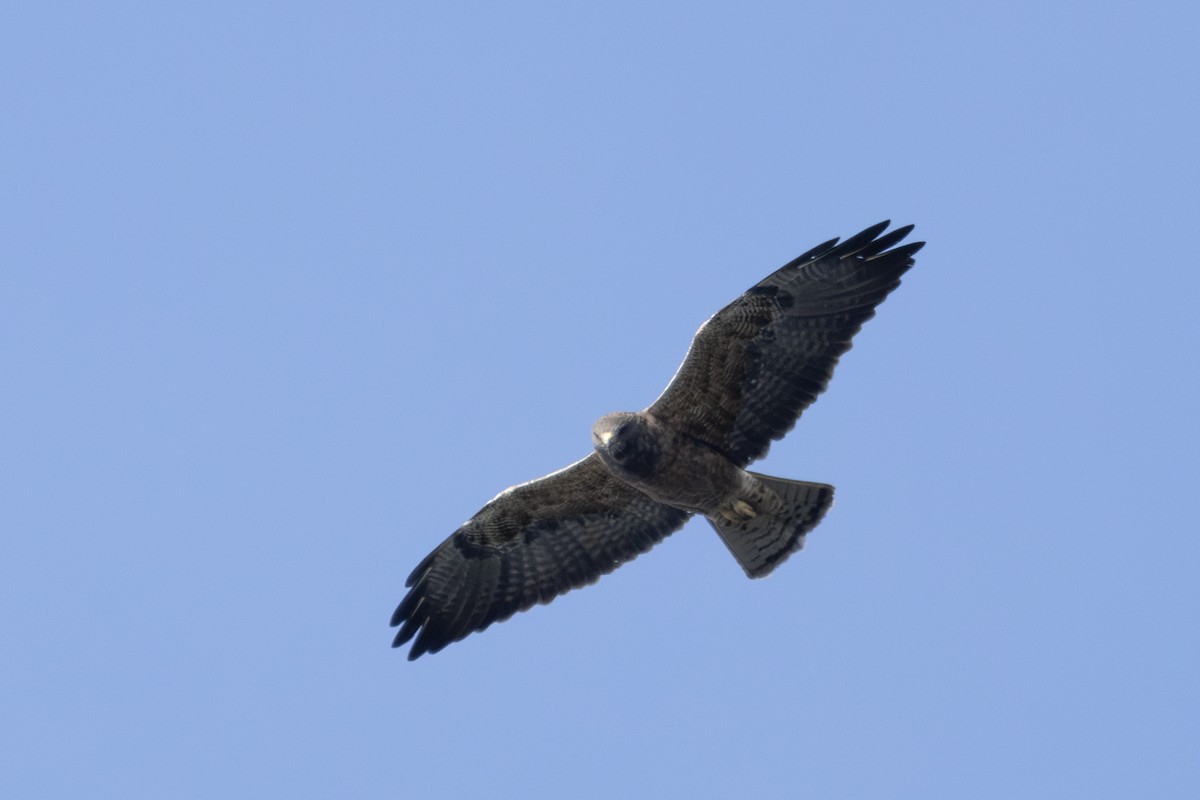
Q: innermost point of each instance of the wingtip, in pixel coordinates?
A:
(402, 637)
(906, 251)
(879, 247)
(861, 239)
(814, 253)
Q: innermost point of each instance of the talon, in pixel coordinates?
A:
(744, 509)
(729, 514)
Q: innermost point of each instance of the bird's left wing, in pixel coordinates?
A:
(760, 361)
(530, 544)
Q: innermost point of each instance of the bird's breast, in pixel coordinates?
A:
(675, 469)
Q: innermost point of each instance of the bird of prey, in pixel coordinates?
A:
(749, 373)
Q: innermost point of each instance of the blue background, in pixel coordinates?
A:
(289, 290)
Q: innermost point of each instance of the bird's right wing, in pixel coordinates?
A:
(530, 544)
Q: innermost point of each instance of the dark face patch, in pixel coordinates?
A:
(634, 448)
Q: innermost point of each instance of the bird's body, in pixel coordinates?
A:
(750, 372)
(677, 470)
(664, 464)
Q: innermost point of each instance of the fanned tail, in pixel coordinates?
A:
(763, 542)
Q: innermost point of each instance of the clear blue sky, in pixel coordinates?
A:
(289, 290)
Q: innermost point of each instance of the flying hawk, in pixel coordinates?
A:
(751, 370)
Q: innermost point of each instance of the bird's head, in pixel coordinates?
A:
(627, 443)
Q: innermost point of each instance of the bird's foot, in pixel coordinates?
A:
(737, 511)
